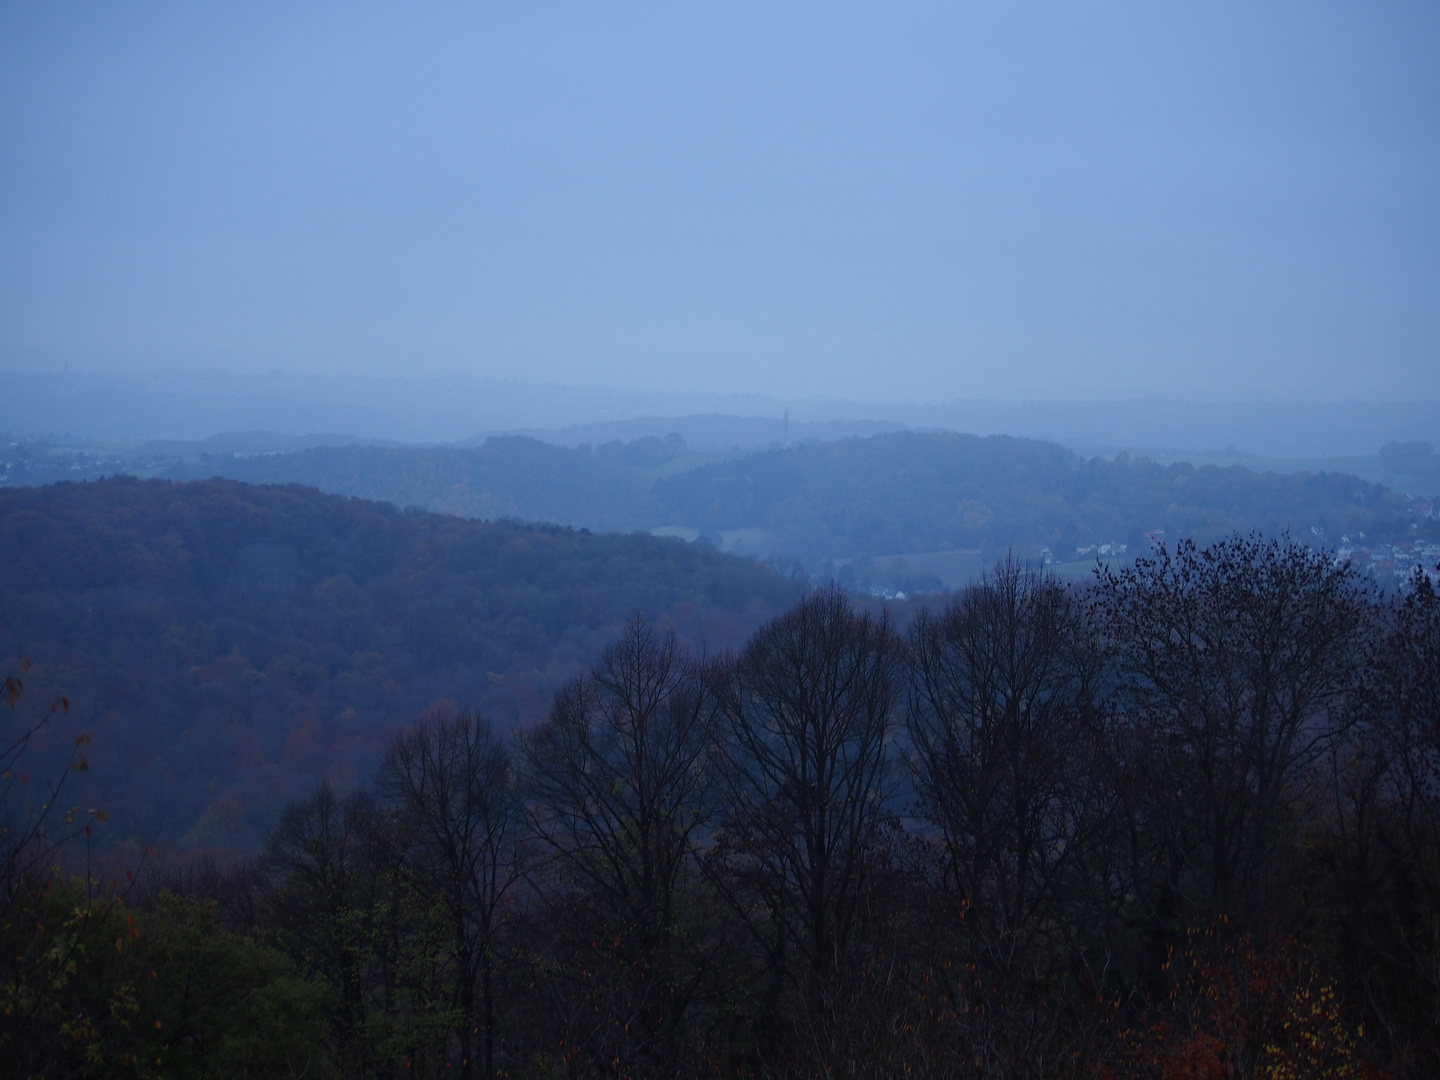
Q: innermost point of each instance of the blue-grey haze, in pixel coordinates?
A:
(109, 407)
(889, 203)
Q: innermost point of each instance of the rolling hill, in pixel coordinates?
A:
(911, 495)
(227, 645)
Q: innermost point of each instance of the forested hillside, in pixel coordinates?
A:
(227, 645)
(909, 492)
(1180, 824)
(895, 494)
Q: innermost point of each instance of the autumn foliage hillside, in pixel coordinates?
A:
(228, 645)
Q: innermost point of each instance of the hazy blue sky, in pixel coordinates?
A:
(877, 201)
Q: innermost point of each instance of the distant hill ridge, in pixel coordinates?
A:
(190, 404)
(890, 494)
(709, 431)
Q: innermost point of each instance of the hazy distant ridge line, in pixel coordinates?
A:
(192, 405)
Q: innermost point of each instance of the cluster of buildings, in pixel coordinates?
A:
(1391, 563)
(882, 593)
(1110, 550)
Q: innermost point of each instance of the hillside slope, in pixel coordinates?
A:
(909, 493)
(894, 494)
(226, 645)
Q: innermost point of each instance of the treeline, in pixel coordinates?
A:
(1183, 823)
(504, 477)
(891, 494)
(228, 645)
(910, 492)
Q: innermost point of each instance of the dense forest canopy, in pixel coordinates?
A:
(227, 645)
(1181, 823)
(891, 494)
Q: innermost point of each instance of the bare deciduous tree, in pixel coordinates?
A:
(1000, 706)
(317, 866)
(452, 779)
(1237, 660)
(618, 794)
(1390, 787)
(30, 808)
(1001, 723)
(809, 710)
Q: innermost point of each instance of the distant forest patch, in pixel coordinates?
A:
(827, 504)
